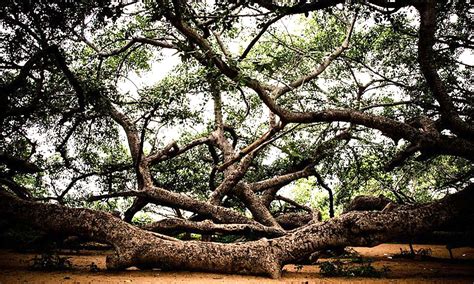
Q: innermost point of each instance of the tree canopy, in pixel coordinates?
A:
(238, 118)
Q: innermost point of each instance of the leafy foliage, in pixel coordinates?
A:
(55, 106)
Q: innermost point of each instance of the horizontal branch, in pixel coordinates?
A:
(174, 225)
(172, 150)
(135, 40)
(280, 181)
(141, 248)
(294, 203)
(115, 194)
(295, 220)
(18, 164)
(164, 197)
(386, 105)
(307, 6)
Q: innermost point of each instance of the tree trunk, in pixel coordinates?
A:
(137, 247)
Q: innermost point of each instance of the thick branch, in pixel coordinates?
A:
(136, 247)
(426, 59)
(19, 190)
(18, 164)
(280, 181)
(294, 220)
(127, 125)
(389, 127)
(259, 211)
(372, 228)
(175, 225)
(164, 197)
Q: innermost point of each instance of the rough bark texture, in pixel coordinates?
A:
(136, 247)
(143, 248)
(174, 226)
(294, 220)
(367, 203)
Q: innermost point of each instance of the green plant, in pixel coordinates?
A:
(366, 270)
(331, 268)
(337, 268)
(142, 219)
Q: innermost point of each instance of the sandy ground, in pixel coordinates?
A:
(14, 268)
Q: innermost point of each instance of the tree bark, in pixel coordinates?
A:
(137, 247)
(367, 203)
(175, 225)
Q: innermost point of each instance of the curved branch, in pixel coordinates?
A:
(136, 247)
(217, 213)
(389, 127)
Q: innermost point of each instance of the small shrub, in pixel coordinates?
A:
(351, 253)
(331, 268)
(93, 267)
(366, 270)
(421, 253)
(141, 220)
(51, 261)
(337, 268)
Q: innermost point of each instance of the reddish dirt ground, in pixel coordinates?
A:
(14, 268)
